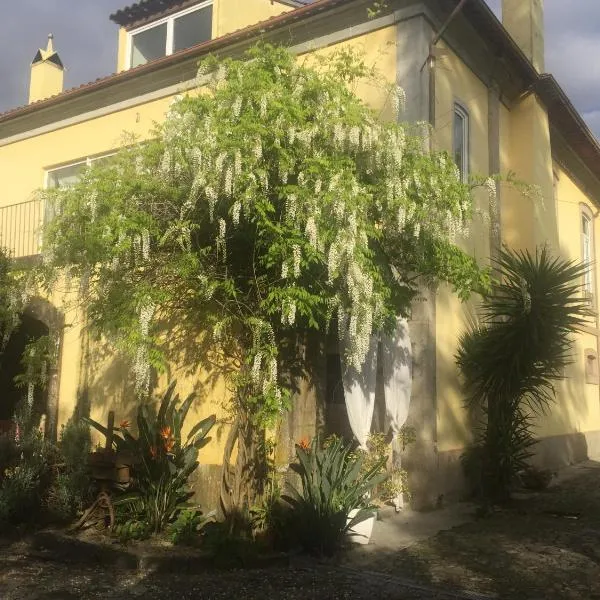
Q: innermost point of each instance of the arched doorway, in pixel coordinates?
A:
(40, 318)
(30, 330)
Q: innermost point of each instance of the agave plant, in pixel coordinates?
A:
(162, 459)
(511, 360)
(334, 483)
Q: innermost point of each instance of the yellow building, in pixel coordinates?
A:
(481, 84)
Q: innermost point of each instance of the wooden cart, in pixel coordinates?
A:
(111, 471)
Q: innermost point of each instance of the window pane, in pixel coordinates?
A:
(459, 142)
(149, 45)
(586, 239)
(192, 29)
(66, 176)
(585, 226)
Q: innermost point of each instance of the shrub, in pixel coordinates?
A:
(27, 473)
(162, 460)
(333, 484)
(9, 453)
(270, 518)
(185, 530)
(396, 481)
(71, 489)
(231, 541)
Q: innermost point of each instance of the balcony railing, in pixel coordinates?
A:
(20, 228)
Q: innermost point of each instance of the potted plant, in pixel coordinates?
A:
(334, 497)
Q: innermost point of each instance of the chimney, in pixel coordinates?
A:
(47, 73)
(524, 20)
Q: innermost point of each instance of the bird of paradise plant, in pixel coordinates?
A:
(163, 459)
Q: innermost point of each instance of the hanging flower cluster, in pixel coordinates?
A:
(273, 200)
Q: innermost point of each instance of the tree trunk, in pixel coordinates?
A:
(242, 482)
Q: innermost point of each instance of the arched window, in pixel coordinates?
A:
(460, 141)
(587, 250)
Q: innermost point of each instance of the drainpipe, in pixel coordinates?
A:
(430, 61)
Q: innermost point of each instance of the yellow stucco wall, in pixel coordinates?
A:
(554, 219)
(23, 167)
(455, 82)
(578, 403)
(228, 16)
(527, 222)
(525, 149)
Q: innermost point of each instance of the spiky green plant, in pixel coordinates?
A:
(333, 484)
(163, 459)
(512, 359)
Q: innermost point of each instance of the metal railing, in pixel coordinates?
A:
(20, 226)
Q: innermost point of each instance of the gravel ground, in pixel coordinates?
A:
(544, 546)
(27, 578)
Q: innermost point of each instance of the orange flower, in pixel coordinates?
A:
(165, 433)
(169, 444)
(304, 443)
(124, 424)
(153, 451)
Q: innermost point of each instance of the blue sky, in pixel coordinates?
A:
(87, 43)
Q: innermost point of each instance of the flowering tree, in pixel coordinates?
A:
(270, 202)
(12, 298)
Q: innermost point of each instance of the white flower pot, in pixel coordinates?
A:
(361, 532)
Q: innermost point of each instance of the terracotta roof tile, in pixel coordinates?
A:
(312, 6)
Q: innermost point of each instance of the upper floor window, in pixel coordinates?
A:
(176, 32)
(587, 250)
(70, 174)
(460, 141)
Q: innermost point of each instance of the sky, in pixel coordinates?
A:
(87, 43)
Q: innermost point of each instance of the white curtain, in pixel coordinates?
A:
(359, 387)
(396, 356)
(359, 392)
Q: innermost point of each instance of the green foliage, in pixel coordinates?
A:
(71, 489)
(396, 481)
(27, 476)
(274, 203)
(185, 530)
(130, 525)
(37, 357)
(264, 515)
(230, 541)
(12, 296)
(333, 483)
(512, 359)
(162, 458)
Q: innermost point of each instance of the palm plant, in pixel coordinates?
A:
(511, 360)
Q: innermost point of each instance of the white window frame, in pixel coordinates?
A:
(87, 160)
(461, 111)
(589, 280)
(170, 21)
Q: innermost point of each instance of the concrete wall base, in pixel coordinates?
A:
(449, 483)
